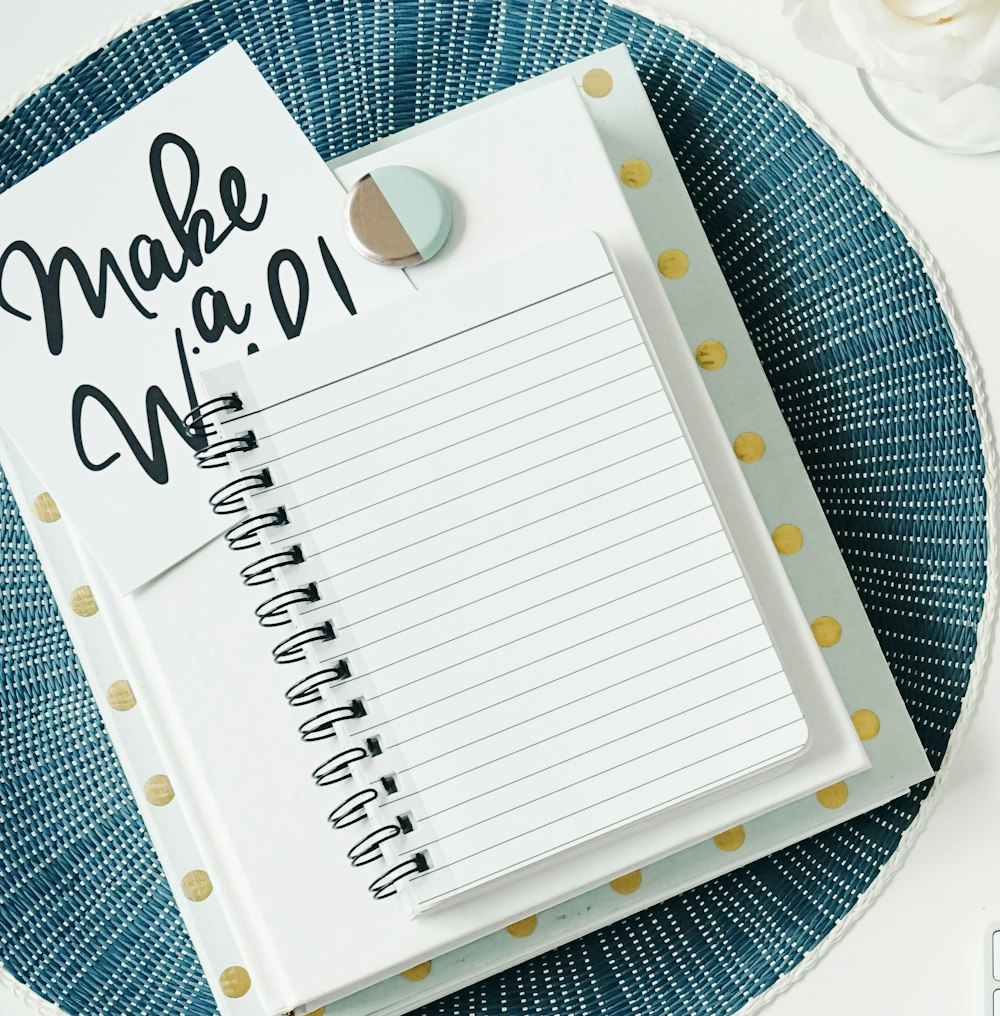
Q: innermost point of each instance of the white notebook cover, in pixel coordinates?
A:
(196, 650)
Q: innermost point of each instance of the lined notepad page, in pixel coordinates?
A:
(542, 612)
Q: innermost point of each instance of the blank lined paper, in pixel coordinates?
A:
(542, 612)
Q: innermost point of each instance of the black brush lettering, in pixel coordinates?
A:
(291, 325)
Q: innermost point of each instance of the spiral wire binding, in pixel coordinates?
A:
(306, 692)
(251, 532)
(230, 498)
(262, 571)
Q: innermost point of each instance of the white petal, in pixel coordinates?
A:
(931, 11)
(816, 29)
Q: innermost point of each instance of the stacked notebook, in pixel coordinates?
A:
(503, 605)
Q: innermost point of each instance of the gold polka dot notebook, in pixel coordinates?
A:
(528, 616)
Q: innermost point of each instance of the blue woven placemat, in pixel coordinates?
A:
(864, 367)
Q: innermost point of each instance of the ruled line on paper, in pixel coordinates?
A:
(542, 518)
(530, 553)
(639, 815)
(338, 380)
(506, 423)
(516, 585)
(504, 507)
(562, 788)
(467, 384)
(425, 787)
(363, 646)
(519, 473)
(296, 535)
(288, 453)
(549, 546)
(579, 726)
(542, 659)
(476, 490)
(441, 504)
(581, 532)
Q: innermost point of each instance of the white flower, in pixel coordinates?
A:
(937, 46)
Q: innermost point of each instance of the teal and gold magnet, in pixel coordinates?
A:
(397, 215)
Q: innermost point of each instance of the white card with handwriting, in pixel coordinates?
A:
(199, 227)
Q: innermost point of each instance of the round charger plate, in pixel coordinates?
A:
(847, 314)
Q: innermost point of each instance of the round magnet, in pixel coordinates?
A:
(397, 215)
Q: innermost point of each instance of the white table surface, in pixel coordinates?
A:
(918, 950)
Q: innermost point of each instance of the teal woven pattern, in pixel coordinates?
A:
(864, 367)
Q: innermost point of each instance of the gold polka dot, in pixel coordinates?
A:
(597, 83)
(787, 539)
(523, 928)
(672, 263)
(731, 839)
(866, 723)
(317, 1012)
(234, 981)
(833, 796)
(635, 173)
(711, 355)
(45, 508)
(826, 631)
(626, 884)
(749, 447)
(196, 885)
(419, 972)
(158, 790)
(120, 696)
(82, 601)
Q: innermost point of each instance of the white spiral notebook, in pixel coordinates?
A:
(497, 575)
